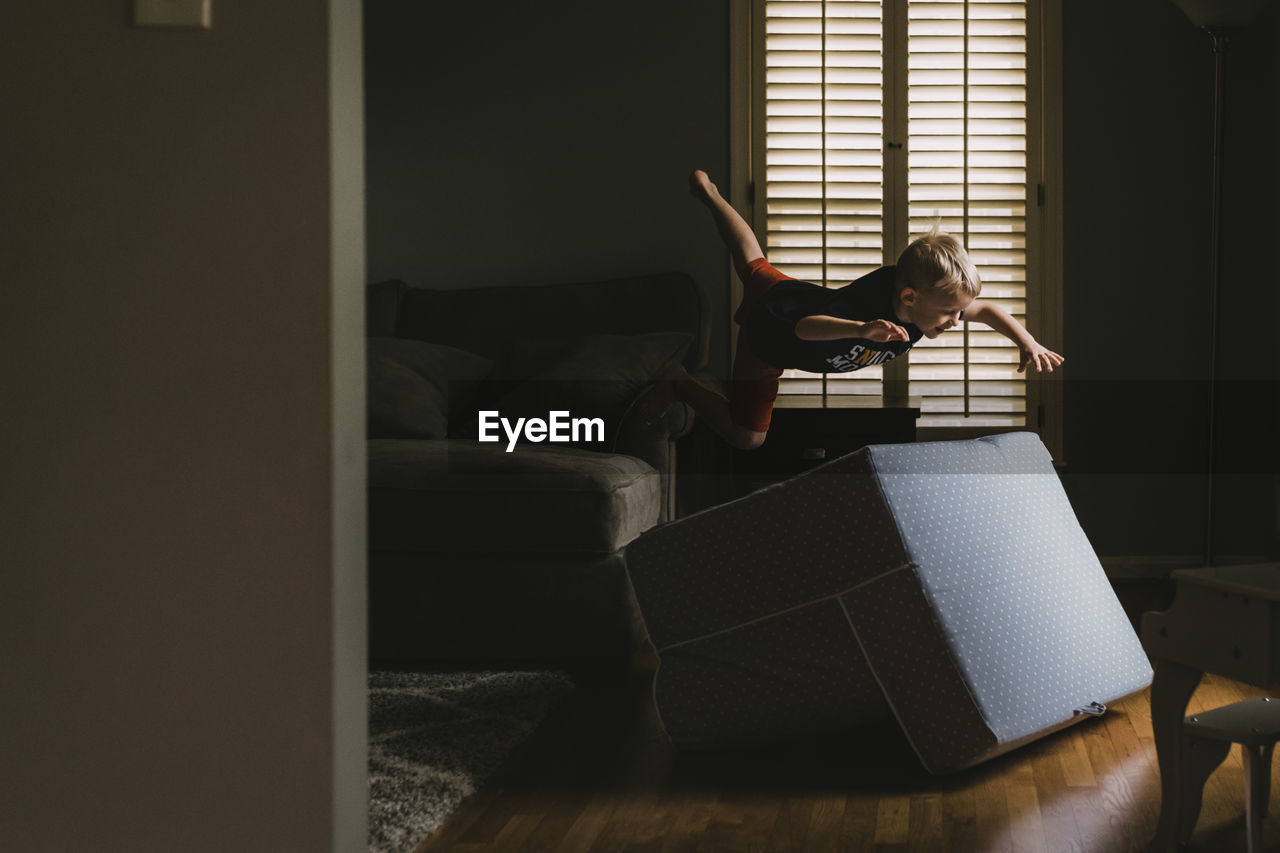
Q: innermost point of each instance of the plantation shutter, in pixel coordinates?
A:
(967, 164)
(839, 77)
(824, 166)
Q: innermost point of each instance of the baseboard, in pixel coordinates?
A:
(1148, 566)
(1159, 566)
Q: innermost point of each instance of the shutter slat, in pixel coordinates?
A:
(983, 404)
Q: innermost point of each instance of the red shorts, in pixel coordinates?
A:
(754, 384)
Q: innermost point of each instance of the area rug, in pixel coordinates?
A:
(434, 737)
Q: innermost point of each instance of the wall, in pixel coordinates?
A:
(547, 143)
(551, 145)
(1248, 454)
(181, 433)
(1137, 161)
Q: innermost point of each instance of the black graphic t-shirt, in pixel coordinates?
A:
(771, 325)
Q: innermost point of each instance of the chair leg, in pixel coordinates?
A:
(1171, 690)
(1257, 790)
(1201, 757)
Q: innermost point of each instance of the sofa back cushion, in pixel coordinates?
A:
(596, 376)
(411, 385)
(486, 319)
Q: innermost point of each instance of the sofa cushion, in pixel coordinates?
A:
(411, 383)
(461, 496)
(596, 376)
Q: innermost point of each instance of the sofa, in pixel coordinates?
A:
(494, 547)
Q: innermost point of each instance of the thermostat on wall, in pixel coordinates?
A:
(172, 13)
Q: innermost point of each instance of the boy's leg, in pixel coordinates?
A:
(737, 423)
(714, 408)
(707, 403)
(734, 230)
(754, 270)
(753, 388)
(743, 418)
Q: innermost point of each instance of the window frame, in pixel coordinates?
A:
(1044, 183)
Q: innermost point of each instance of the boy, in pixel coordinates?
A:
(785, 323)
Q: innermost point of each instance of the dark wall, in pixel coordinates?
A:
(551, 142)
(530, 143)
(1248, 395)
(1138, 99)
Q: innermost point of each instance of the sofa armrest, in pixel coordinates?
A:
(655, 444)
(635, 437)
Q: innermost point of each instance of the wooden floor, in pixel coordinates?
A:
(599, 776)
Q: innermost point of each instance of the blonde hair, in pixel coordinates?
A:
(937, 263)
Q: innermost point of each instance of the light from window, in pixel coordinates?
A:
(854, 117)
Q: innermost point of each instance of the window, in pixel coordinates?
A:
(858, 125)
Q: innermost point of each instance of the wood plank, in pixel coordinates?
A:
(691, 813)
(826, 821)
(556, 812)
(602, 780)
(893, 819)
(959, 817)
(515, 835)
(586, 829)
(792, 825)
(744, 820)
(858, 827)
(1057, 819)
(992, 812)
(1136, 758)
(1115, 792)
(487, 807)
(1077, 768)
(925, 822)
(637, 822)
(1026, 831)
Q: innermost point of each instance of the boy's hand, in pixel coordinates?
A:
(1042, 358)
(883, 330)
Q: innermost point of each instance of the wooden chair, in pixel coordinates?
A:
(1207, 738)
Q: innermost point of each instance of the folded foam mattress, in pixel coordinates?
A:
(947, 584)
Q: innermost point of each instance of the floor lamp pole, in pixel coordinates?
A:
(1215, 270)
(1217, 18)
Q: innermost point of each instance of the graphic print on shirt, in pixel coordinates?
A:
(770, 324)
(858, 357)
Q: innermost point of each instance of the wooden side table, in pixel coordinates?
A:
(1224, 620)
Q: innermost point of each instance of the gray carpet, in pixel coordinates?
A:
(434, 737)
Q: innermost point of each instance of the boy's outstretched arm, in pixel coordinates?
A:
(821, 327)
(997, 318)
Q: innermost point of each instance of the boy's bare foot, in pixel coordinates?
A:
(655, 402)
(701, 187)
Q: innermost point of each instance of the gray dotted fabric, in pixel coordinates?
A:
(798, 674)
(973, 597)
(1010, 579)
(811, 537)
(930, 697)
